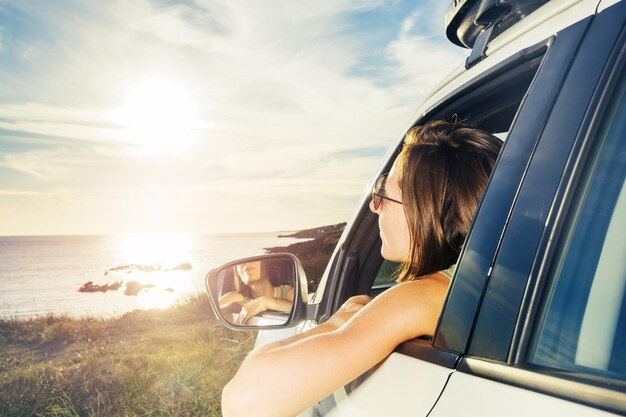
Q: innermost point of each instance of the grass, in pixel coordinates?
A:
(171, 362)
(147, 363)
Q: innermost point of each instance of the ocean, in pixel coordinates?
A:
(41, 275)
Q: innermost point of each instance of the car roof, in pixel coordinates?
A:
(465, 19)
(540, 25)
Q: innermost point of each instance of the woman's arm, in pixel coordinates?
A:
(230, 298)
(264, 303)
(261, 304)
(283, 378)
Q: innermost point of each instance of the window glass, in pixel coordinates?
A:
(582, 324)
(387, 274)
(501, 135)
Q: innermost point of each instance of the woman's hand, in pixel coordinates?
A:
(347, 310)
(231, 298)
(252, 308)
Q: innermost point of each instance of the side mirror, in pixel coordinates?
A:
(261, 292)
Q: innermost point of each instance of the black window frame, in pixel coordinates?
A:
(464, 300)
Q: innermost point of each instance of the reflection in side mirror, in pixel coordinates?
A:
(259, 292)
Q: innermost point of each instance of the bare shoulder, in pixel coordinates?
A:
(407, 310)
(429, 287)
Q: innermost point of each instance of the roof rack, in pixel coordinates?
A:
(473, 23)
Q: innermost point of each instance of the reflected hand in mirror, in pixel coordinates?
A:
(263, 288)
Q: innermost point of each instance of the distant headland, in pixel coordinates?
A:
(315, 253)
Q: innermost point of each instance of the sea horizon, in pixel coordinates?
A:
(154, 233)
(42, 274)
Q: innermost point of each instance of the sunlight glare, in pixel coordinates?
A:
(154, 248)
(154, 259)
(156, 298)
(158, 115)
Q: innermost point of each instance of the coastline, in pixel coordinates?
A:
(314, 253)
(173, 361)
(114, 270)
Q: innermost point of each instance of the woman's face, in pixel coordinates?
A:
(394, 230)
(251, 272)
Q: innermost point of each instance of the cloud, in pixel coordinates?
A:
(19, 193)
(55, 193)
(179, 24)
(420, 58)
(57, 121)
(289, 99)
(375, 151)
(44, 165)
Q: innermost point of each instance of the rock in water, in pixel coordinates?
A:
(185, 266)
(135, 287)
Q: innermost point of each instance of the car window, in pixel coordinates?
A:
(484, 108)
(582, 320)
(386, 275)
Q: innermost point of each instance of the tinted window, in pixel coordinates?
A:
(582, 325)
(387, 274)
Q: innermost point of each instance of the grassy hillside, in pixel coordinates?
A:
(171, 362)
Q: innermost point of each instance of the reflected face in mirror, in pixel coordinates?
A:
(257, 292)
(249, 272)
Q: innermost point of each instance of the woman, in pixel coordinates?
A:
(255, 291)
(425, 206)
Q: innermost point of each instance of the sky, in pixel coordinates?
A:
(206, 116)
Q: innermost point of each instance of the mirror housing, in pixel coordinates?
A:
(254, 293)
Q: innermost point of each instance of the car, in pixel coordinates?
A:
(534, 321)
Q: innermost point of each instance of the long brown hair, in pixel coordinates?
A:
(240, 286)
(444, 168)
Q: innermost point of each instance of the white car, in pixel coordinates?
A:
(535, 318)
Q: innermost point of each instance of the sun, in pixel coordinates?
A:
(158, 115)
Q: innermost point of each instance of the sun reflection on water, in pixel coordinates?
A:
(156, 298)
(156, 260)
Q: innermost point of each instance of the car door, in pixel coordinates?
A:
(549, 336)
(511, 98)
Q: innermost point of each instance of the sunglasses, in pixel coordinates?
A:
(378, 192)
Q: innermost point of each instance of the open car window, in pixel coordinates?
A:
(491, 106)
